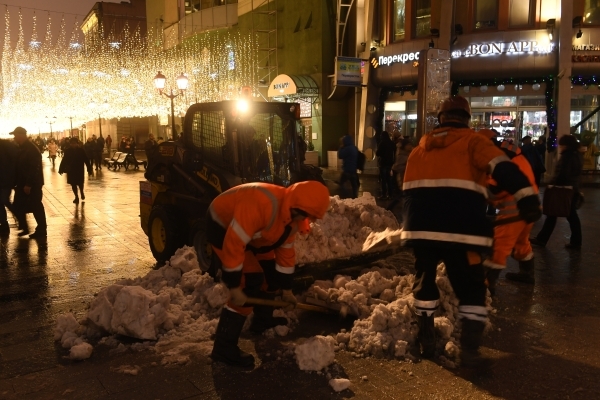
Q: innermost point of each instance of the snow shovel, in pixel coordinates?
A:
(393, 240)
(283, 304)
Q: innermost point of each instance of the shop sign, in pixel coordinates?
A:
(586, 47)
(348, 71)
(396, 58)
(584, 58)
(497, 48)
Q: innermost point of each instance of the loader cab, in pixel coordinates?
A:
(255, 141)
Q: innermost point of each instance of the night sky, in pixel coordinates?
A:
(72, 10)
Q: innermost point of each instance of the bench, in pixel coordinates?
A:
(115, 157)
(121, 161)
(131, 160)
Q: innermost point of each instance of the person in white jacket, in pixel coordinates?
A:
(52, 151)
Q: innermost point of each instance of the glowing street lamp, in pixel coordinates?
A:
(182, 83)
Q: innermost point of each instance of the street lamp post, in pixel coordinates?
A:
(71, 119)
(182, 83)
(51, 120)
(99, 109)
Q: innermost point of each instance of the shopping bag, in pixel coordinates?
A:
(557, 201)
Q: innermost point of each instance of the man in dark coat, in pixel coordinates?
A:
(531, 154)
(73, 163)
(98, 150)
(29, 183)
(385, 154)
(8, 157)
(348, 153)
(150, 147)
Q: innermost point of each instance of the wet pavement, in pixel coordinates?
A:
(545, 338)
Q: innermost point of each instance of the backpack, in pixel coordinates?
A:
(360, 161)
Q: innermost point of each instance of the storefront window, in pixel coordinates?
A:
(423, 18)
(592, 12)
(486, 14)
(520, 13)
(399, 19)
(400, 118)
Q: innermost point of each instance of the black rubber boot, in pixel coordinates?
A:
(226, 348)
(4, 227)
(470, 340)
(526, 273)
(264, 319)
(426, 335)
(491, 276)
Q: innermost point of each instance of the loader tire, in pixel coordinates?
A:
(203, 249)
(165, 233)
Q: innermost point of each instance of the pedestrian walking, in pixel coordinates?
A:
(52, 151)
(150, 147)
(444, 220)
(385, 155)
(567, 172)
(29, 181)
(403, 150)
(8, 160)
(108, 143)
(253, 230)
(98, 150)
(123, 145)
(348, 153)
(89, 147)
(531, 154)
(73, 163)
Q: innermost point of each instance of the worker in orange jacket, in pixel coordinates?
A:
(445, 220)
(511, 238)
(252, 230)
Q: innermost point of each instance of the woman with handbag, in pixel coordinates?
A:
(566, 174)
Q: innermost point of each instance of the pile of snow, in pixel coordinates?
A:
(339, 384)
(315, 353)
(384, 303)
(343, 230)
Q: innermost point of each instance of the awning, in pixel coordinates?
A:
(301, 88)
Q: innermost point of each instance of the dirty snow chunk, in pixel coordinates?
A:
(340, 384)
(184, 259)
(316, 353)
(444, 327)
(217, 295)
(400, 348)
(81, 351)
(128, 369)
(451, 349)
(136, 313)
(282, 330)
(65, 323)
(382, 239)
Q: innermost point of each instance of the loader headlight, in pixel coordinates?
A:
(242, 106)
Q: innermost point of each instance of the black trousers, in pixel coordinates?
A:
(30, 203)
(386, 181)
(353, 179)
(468, 281)
(574, 223)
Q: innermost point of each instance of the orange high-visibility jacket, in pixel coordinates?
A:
(502, 200)
(257, 214)
(445, 189)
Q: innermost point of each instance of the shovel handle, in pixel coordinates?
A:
(283, 304)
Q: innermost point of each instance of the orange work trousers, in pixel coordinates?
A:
(510, 239)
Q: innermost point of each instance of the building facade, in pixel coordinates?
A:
(108, 20)
(528, 67)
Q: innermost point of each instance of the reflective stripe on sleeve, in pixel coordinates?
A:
(477, 313)
(287, 245)
(237, 228)
(215, 217)
(453, 183)
(234, 269)
(285, 270)
(257, 235)
(448, 237)
(493, 265)
(528, 191)
(507, 211)
(274, 205)
(496, 161)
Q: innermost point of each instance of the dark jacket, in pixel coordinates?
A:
(99, 145)
(8, 160)
(89, 148)
(531, 154)
(29, 166)
(348, 153)
(150, 147)
(568, 169)
(73, 164)
(385, 152)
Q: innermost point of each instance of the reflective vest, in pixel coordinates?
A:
(445, 189)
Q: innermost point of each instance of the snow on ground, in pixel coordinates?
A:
(174, 310)
(344, 229)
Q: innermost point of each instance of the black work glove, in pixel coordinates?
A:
(529, 208)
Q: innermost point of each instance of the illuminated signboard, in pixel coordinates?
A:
(491, 49)
(396, 58)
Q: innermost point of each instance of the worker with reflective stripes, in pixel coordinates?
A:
(251, 229)
(445, 220)
(511, 238)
